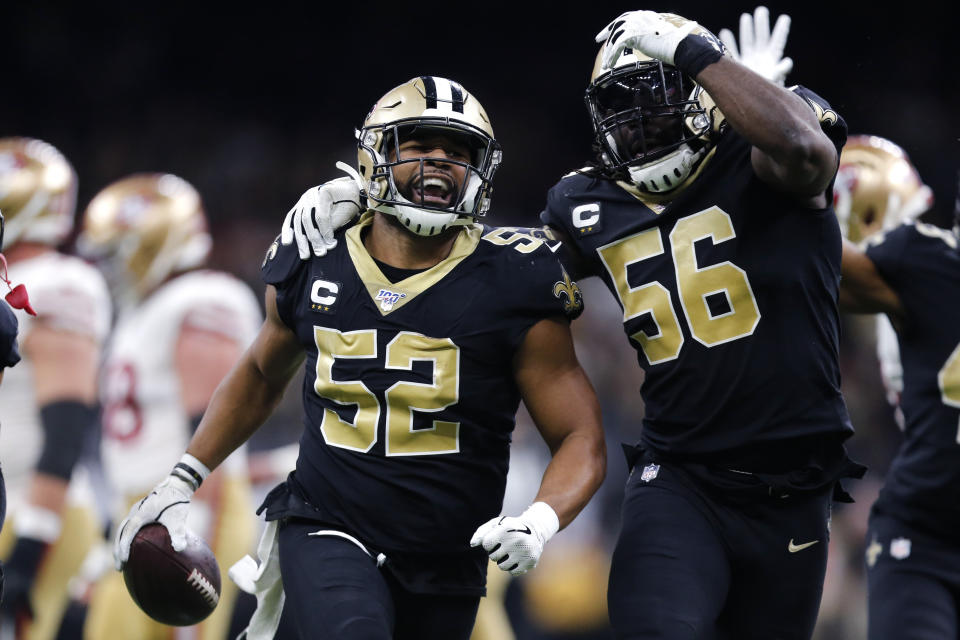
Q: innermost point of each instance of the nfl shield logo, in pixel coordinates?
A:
(900, 548)
(650, 472)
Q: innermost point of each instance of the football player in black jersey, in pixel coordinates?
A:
(9, 356)
(909, 271)
(421, 332)
(707, 212)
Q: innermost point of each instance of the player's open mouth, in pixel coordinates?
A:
(435, 190)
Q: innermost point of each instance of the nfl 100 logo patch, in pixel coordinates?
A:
(388, 298)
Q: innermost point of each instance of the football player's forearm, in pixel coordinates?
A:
(48, 492)
(573, 476)
(776, 122)
(242, 402)
(862, 288)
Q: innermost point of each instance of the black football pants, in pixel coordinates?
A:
(335, 591)
(691, 565)
(913, 582)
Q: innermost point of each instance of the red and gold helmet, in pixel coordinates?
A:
(38, 192)
(877, 187)
(142, 229)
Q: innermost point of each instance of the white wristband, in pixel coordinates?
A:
(542, 516)
(191, 470)
(35, 522)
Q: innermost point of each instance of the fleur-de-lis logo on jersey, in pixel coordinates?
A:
(828, 116)
(271, 253)
(569, 292)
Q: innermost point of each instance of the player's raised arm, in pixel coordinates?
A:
(565, 409)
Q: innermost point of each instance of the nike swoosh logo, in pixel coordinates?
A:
(525, 530)
(793, 548)
(554, 247)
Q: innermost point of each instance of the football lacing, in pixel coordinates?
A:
(204, 587)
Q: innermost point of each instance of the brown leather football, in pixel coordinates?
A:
(176, 588)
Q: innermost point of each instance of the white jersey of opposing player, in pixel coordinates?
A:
(67, 294)
(146, 427)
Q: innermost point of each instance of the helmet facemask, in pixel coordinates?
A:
(649, 121)
(429, 193)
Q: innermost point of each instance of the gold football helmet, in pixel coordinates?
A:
(877, 187)
(650, 120)
(143, 228)
(38, 191)
(427, 105)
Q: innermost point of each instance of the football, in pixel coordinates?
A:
(176, 588)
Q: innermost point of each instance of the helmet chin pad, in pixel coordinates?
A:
(423, 222)
(668, 172)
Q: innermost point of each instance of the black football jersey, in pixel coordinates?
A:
(409, 395)
(922, 264)
(729, 296)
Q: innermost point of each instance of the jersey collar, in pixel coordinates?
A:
(389, 296)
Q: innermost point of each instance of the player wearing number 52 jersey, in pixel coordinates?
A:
(421, 331)
(179, 329)
(912, 273)
(706, 213)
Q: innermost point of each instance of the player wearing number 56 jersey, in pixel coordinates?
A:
(706, 213)
(420, 333)
(912, 273)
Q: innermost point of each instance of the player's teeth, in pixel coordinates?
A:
(435, 182)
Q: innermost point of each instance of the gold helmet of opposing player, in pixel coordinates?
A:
(433, 106)
(143, 228)
(650, 120)
(38, 191)
(877, 187)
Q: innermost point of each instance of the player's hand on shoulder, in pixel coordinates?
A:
(168, 503)
(760, 50)
(319, 212)
(515, 543)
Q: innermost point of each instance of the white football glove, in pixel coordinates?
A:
(760, 51)
(646, 31)
(167, 504)
(515, 544)
(320, 211)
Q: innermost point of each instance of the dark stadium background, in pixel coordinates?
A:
(255, 105)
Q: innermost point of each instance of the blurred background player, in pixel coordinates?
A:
(910, 271)
(49, 400)
(878, 189)
(179, 330)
